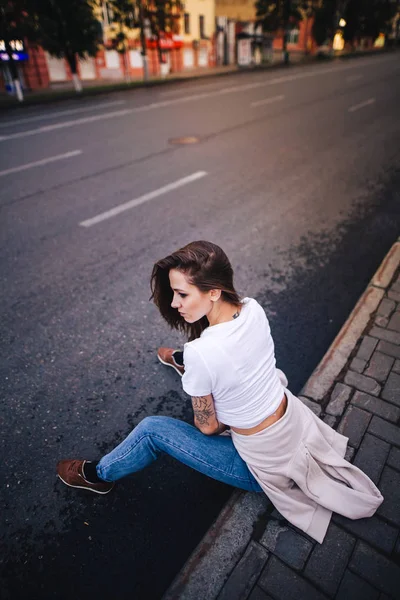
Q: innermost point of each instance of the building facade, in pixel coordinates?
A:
(206, 33)
(191, 46)
(240, 40)
(198, 29)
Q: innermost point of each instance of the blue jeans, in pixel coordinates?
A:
(215, 456)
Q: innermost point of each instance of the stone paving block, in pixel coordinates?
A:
(381, 321)
(391, 391)
(316, 408)
(355, 588)
(330, 420)
(285, 543)
(245, 574)
(275, 515)
(367, 347)
(384, 430)
(395, 287)
(361, 382)
(285, 584)
(386, 307)
(384, 334)
(354, 424)
(349, 453)
(376, 405)
(378, 570)
(373, 530)
(371, 456)
(340, 395)
(394, 458)
(394, 296)
(396, 367)
(389, 486)
(389, 349)
(394, 322)
(358, 365)
(379, 366)
(328, 561)
(259, 594)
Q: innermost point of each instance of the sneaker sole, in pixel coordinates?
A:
(83, 487)
(167, 364)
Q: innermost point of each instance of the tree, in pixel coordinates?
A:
(353, 17)
(123, 19)
(68, 29)
(379, 16)
(274, 15)
(323, 25)
(18, 21)
(163, 17)
(368, 18)
(159, 17)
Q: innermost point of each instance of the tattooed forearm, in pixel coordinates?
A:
(203, 409)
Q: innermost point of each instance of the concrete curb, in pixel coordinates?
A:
(211, 563)
(384, 274)
(207, 569)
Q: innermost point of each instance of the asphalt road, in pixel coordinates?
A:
(295, 174)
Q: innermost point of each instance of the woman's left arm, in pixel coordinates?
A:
(205, 418)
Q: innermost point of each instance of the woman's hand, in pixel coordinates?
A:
(205, 418)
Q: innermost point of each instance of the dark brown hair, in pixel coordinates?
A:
(207, 267)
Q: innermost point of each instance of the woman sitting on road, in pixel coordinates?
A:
(276, 444)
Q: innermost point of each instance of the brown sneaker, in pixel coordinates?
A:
(166, 356)
(71, 473)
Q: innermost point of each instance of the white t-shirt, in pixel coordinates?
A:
(235, 362)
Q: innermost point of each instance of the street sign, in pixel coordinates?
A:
(18, 51)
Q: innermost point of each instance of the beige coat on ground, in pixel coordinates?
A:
(298, 462)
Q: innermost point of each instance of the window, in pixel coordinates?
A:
(293, 37)
(202, 26)
(186, 18)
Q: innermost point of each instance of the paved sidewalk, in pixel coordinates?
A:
(196, 72)
(252, 553)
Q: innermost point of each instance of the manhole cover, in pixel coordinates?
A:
(189, 139)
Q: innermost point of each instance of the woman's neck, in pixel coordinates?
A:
(222, 313)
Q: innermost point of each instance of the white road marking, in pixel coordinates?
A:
(40, 163)
(182, 100)
(267, 101)
(61, 113)
(351, 78)
(142, 199)
(361, 105)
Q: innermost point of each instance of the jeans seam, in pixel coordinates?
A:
(174, 446)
